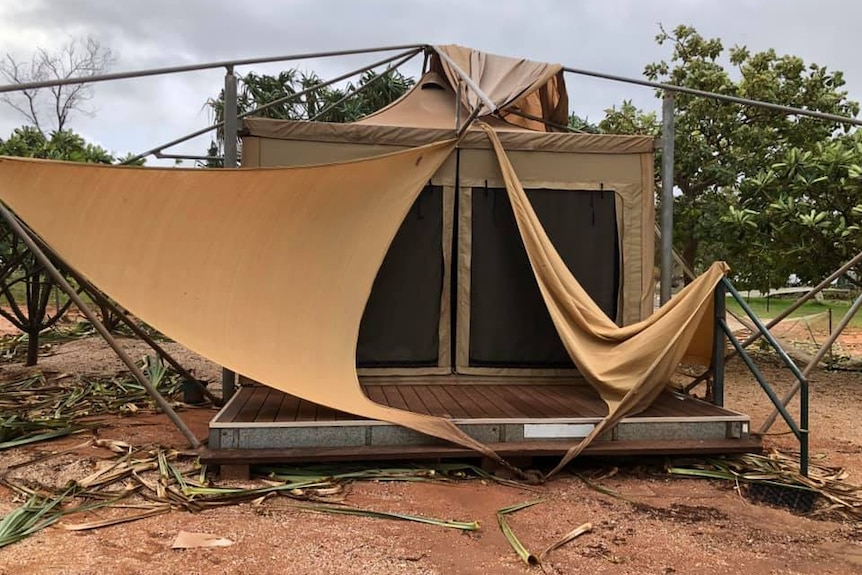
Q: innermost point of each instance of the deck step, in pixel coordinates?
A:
(526, 448)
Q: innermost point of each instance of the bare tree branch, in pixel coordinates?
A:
(51, 108)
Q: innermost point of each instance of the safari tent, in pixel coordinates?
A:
(455, 293)
(449, 274)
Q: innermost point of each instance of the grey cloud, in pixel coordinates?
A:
(613, 36)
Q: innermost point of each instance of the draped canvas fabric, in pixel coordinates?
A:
(628, 366)
(533, 88)
(264, 271)
(267, 271)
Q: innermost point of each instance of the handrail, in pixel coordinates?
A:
(800, 429)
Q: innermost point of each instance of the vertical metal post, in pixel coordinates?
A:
(667, 111)
(718, 347)
(228, 377)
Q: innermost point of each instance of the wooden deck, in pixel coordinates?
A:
(259, 404)
(261, 424)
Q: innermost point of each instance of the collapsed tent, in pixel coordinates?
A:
(304, 262)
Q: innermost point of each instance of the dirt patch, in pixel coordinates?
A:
(675, 525)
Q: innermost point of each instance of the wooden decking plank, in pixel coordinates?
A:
(666, 405)
(325, 413)
(480, 406)
(307, 411)
(414, 402)
(508, 410)
(515, 396)
(450, 401)
(461, 394)
(695, 407)
(551, 404)
(582, 399)
(394, 397)
(431, 402)
(271, 406)
(288, 409)
(252, 406)
(236, 404)
(375, 394)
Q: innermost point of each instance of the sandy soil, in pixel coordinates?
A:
(676, 526)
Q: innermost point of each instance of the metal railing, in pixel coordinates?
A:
(800, 428)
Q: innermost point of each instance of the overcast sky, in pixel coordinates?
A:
(615, 36)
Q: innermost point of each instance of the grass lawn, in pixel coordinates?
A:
(775, 305)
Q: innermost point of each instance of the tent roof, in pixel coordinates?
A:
(408, 136)
(430, 103)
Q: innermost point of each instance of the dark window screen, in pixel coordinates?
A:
(400, 325)
(509, 323)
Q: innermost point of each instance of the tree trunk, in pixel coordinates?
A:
(32, 345)
(689, 254)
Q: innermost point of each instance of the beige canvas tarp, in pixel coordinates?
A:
(267, 271)
(563, 161)
(628, 366)
(512, 84)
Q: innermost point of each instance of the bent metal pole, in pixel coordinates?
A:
(55, 274)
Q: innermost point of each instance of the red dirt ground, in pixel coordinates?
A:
(677, 525)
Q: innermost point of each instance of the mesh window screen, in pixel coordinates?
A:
(509, 324)
(400, 325)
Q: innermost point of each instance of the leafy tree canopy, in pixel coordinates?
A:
(732, 162)
(29, 142)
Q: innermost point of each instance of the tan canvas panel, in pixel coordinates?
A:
(622, 164)
(369, 134)
(264, 271)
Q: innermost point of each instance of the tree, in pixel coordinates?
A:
(49, 109)
(628, 119)
(326, 104)
(801, 216)
(25, 285)
(583, 124)
(719, 145)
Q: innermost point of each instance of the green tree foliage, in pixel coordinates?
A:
(26, 289)
(582, 124)
(325, 104)
(721, 148)
(800, 216)
(628, 119)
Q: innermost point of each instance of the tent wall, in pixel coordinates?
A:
(503, 323)
(617, 169)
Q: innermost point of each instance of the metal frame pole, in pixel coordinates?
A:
(100, 299)
(203, 66)
(492, 107)
(667, 163)
(55, 274)
(800, 301)
(228, 377)
(815, 361)
(364, 87)
(790, 110)
(718, 344)
(268, 105)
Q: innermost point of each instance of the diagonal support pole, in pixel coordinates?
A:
(101, 299)
(815, 361)
(121, 314)
(55, 274)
